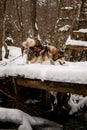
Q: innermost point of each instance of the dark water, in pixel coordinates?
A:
(74, 124)
(8, 126)
(69, 122)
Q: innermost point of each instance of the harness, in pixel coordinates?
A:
(36, 50)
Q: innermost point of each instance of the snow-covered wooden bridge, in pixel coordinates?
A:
(70, 77)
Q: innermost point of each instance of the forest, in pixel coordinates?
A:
(61, 24)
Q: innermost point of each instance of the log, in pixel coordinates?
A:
(74, 88)
(76, 47)
(24, 120)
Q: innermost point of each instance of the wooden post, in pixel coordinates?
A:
(16, 92)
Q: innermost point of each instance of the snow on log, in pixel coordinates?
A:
(24, 120)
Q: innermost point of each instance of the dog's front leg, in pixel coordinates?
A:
(33, 60)
(22, 50)
(52, 62)
(27, 61)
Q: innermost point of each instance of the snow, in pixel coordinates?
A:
(64, 28)
(82, 30)
(73, 72)
(67, 7)
(41, 2)
(64, 18)
(75, 42)
(9, 39)
(24, 120)
(75, 107)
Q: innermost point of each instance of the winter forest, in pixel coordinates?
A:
(43, 64)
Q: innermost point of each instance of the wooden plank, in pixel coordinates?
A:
(75, 88)
(76, 47)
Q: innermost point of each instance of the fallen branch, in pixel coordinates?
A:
(6, 94)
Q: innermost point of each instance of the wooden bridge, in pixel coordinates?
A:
(11, 85)
(70, 78)
(63, 87)
(74, 88)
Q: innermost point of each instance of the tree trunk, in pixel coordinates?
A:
(20, 17)
(33, 31)
(1, 26)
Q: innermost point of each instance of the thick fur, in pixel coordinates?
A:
(38, 53)
(28, 43)
(53, 52)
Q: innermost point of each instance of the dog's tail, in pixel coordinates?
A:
(44, 51)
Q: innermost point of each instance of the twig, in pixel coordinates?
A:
(7, 94)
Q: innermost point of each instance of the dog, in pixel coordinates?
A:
(38, 53)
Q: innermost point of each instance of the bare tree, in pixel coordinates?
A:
(1, 26)
(33, 30)
(4, 20)
(19, 15)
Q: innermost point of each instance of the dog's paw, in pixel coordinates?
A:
(60, 62)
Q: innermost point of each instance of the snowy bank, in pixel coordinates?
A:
(24, 120)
